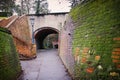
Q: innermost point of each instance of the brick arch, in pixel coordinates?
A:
(41, 33)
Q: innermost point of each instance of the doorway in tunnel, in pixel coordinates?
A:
(46, 38)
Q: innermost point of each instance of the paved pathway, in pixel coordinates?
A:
(47, 66)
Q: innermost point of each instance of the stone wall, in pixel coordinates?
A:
(96, 41)
(54, 20)
(65, 47)
(10, 67)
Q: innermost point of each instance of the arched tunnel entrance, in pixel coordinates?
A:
(41, 34)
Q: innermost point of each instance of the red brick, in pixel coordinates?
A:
(117, 49)
(116, 39)
(116, 61)
(85, 50)
(115, 57)
(116, 53)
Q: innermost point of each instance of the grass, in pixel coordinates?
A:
(3, 18)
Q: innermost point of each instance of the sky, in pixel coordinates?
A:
(56, 5)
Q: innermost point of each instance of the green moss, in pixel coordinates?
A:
(9, 62)
(98, 23)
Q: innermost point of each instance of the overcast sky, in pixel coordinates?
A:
(59, 5)
(56, 5)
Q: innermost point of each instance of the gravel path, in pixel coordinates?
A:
(47, 66)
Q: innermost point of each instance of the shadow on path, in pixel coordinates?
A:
(47, 66)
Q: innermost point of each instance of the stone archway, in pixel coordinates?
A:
(41, 33)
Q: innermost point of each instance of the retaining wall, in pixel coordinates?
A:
(96, 41)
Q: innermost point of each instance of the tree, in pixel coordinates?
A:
(7, 5)
(17, 9)
(75, 2)
(41, 6)
(26, 5)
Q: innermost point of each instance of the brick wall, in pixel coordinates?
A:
(5, 22)
(96, 40)
(9, 63)
(21, 33)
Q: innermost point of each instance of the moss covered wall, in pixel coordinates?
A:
(9, 62)
(96, 44)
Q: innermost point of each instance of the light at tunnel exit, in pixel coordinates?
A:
(43, 36)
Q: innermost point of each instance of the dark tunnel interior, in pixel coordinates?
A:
(41, 35)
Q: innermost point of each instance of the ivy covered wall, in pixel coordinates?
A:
(9, 62)
(96, 42)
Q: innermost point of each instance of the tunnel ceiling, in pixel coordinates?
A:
(41, 35)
